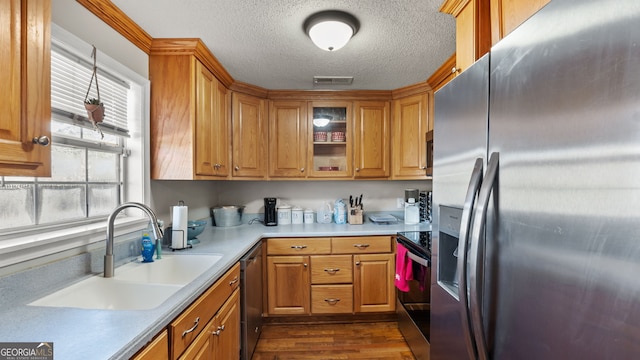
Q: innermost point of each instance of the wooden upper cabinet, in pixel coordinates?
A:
(330, 144)
(25, 85)
(506, 15)
(288, 139)
(212, 125)
(190, 119)
(473, 29)
(371, 139)
(410, 125)
(249, 122)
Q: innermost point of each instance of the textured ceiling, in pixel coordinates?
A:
(261, 42)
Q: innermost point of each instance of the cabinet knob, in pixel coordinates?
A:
(357, 169)
(305, 264)
(235, 280)
(301, 169)
(423, 168)
(332, 301)
(361, 246)
(332, 271)
(298, 247)
(237, 168)
(41, 140)
(455, 70)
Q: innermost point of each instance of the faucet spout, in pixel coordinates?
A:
(108, 257)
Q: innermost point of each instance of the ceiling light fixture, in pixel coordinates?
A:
(331, 30)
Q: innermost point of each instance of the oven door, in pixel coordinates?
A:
(414, 308)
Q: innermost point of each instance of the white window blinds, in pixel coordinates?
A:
(70, 76)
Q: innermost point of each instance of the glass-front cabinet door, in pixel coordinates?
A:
(331, 136)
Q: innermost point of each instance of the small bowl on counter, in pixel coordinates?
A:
(227, 215)
(195, 228)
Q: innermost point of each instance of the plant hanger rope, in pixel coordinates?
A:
(93, 75)
(95, 107)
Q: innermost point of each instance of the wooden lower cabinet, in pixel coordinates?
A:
(187, 332)
(288, 285)
(221, 337)
(370, 294)
(343, 276)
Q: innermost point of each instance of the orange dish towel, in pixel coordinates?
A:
(404, 269)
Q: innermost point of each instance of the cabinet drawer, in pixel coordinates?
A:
(361, 244)
(158, 349)
(331, 299)
(331, 269)
(298, 246)
(186, 327)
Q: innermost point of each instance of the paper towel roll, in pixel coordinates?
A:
(179, 229)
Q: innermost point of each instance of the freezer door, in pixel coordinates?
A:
(460, 138)
(565, 119)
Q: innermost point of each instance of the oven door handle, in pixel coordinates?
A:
(418, 259)
(463, 242)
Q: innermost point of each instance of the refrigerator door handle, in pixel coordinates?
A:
(465, 227)
(476, 254)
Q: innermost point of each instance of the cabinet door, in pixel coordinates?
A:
(249, 136)
(222, 131)
(506, 15)
(227, 333)
(473, 29)
(373, 276)
(211, 124)
(410, 122)
(287, 139)
(288, 285)
(25, 85)
(372, 139)
(330, 138)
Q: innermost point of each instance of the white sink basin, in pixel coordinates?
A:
(136, 286)
(109, 294)
(171, 269)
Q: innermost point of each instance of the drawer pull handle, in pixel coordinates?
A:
(298, 247)
(332, 301)
(235, 280)
(195, 325)
(361, 246)
(332, 271)
(217, 332)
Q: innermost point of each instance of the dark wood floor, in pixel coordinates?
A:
(371, 341)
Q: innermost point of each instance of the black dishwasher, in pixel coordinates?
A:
(251, 300)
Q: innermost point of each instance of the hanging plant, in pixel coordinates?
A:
(94, 107)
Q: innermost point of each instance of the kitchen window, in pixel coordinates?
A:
(91, 171)
(86, 164)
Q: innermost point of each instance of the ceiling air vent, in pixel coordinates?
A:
(332, 80)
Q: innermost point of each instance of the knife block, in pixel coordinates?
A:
(355, 216)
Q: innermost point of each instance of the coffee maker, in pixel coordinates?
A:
(270, 213)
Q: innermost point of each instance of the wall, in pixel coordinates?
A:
(377, 195)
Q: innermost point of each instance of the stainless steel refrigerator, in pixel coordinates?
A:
(536, 192)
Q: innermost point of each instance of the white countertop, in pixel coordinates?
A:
(110, 334)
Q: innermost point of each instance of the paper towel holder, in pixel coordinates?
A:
(178, 239)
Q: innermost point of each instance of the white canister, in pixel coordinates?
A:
(309, 216)
(284, 215)
(296, 215)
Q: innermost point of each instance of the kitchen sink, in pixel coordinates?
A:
(135, 286)
(171, 269)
